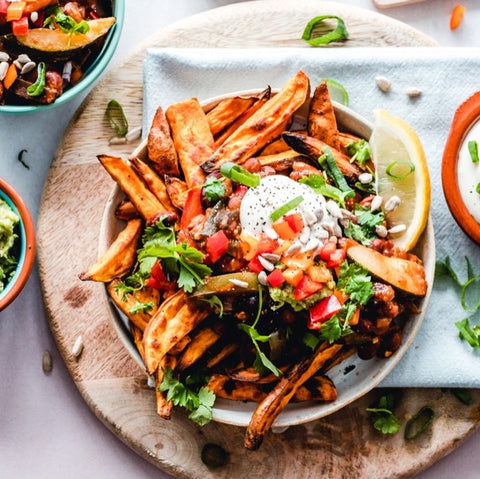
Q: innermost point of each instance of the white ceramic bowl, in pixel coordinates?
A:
(364, 375)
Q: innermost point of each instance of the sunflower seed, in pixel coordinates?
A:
(77, 347)
(294, 249)
(117, 140)
(134, 134)
(47, 362)
(413, 92)
(400, 228)
(34, 17)
(4, 57)
(239, 283)
(334, 209)
(266, 264)
(3, 70)
(383, 83)
(262, 278)
(376, 203)
(28, 67)
(365, 178)
(305, 235)
(271, 233)
(392, 203)
(23, 58)
(312, 244)
(381, 231)
(271, 257)
(309, 218)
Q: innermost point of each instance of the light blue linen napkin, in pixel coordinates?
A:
(446, 78)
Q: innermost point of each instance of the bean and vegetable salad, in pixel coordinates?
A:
(47, 45)
(254, 258)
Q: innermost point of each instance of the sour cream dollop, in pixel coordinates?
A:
(273, 192)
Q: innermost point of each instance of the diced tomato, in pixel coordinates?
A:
(20, 27)
(295, 221)
(327, 250)
(217, 245)
(276, 278)
(266, 245)
(157, 279)
(255, 265)
(193, 207)
(306, 287)
(3, 7)
(336, 258)
(283, 230)
(323, 311)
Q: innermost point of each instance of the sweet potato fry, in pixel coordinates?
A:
(265, 125)
(239, 391)
(227, 132)
(227, 111)
(313, 148)
(154, 183)
(176, 349)
(143, 199)
(119, 257)
(318, 388)
(137, 334)
(225, 352)
(126, 211)
(252, 375)
(175, 318)
(200, 343)
(127, 302)
(164, 407)
(177, 190)
(322, 123)
(280, 161)
(192, 138)
(343, 354)
(278, 398)
(161, 151)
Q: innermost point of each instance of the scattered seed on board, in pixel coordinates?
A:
(47, 362)
(413, 92)
(134, 134)
(77, 347)
(383, 83)
(117, 140)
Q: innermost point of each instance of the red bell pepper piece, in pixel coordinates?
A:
(20, 27)
(306, 287)
(323, 311)
(3, 7)
(193, 207)
(266, 245)
(327, 250)
(336, 258)
(255, 265)
(295, 221)
(157, 279)
(276, 278)
(217, 246)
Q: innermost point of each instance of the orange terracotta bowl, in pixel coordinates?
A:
(466, 116)
(25, 247)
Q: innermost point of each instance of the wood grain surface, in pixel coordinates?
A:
(110, 381)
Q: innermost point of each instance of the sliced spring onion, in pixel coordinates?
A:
(426, 413)
(477, 189)
(465, 287)
(284, 209)
(339, 33)
(240, 175)
(328, 161)
(462, 395)
(337, 92)
(395, 170)
(117, 118)
(39, 86)
(473, 150)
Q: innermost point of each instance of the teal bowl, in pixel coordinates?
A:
(92, 73)
(24, 248)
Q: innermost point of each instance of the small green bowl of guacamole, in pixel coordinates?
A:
(17, 244)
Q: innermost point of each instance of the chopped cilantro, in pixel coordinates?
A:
(320, 186)
(360, 151)
(55, 17)
(139, 307)
(214, 189)
(365, 229)
(196, 398)
(355, 281)
(381, 414)
(215, 303)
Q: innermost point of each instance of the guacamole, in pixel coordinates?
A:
(8, 261)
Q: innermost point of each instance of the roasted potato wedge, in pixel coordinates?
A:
(263, 126)
(119, 258)
(177, 190)
(161, 151)
(192, 138)
(227, 111)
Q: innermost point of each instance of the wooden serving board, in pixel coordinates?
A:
(110, 381)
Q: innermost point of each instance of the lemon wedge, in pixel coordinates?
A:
(402, 172)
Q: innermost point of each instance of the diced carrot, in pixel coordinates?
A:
(284, 231)
(299, 261)
(10, 77)
(354, 319)
(15, 11)
(457, 16)
(293, 276)
(320, 273)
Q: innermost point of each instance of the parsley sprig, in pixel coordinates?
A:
(193, 395)
(382, 416)
(365, 229)
(360, 151)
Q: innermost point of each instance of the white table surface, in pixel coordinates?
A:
(46, 429)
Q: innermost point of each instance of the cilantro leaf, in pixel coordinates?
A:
(382, 416)
(365, 228)
(214, 189)
(360, 150)
(215, 303)
(320, 186)
(140, 307)
(355, 281)
(176, 259)
(55, 17)
(198, 403)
